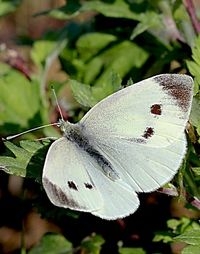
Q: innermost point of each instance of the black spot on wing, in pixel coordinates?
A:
(72, 185)
(58, 197)
(156, 109)
(88, 186)
(148, 133)
(179, 87)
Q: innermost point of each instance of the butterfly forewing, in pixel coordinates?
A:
(142, 129)
(152, 112)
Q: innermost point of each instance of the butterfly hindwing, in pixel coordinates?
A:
(144, 168)
(66, 180)
(73, 179)
(119, 199)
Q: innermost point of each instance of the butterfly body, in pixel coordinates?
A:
(132, 141)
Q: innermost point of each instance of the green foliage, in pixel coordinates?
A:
(8, 6)
(11, 115)
(184, 230)
(92, 244)
(26, 159)
(52, 244)
(88, 96)
(131, 251)
(57, 244)
(103, 45)
(194, 65)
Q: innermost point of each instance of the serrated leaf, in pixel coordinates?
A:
(52, 244)
(82, 93)
(190, 237)
(88, 96)
(24, 160)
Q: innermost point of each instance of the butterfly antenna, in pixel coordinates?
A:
(59, 109)
(24, 132)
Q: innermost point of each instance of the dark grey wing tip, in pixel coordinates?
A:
(179, 87)
(182, 79)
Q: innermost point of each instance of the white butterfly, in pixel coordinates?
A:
(132, 141)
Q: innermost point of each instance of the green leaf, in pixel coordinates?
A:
(27, 159)
(41, 50)
(88, 45)
(195, 113)
(164, 237)
(194, 65)
(8, 6)
(92, 244)
(52, 244)
(190, 237)
(88, 96)
(19, 100)
(196, 171)
(123, 250)
(149, 20)
(191, 250)
(71, 9)
(183, 22)
(83, 93)
(115, 9)
(121, 58)
(97, 55)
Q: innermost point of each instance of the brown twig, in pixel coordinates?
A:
(191, 11)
